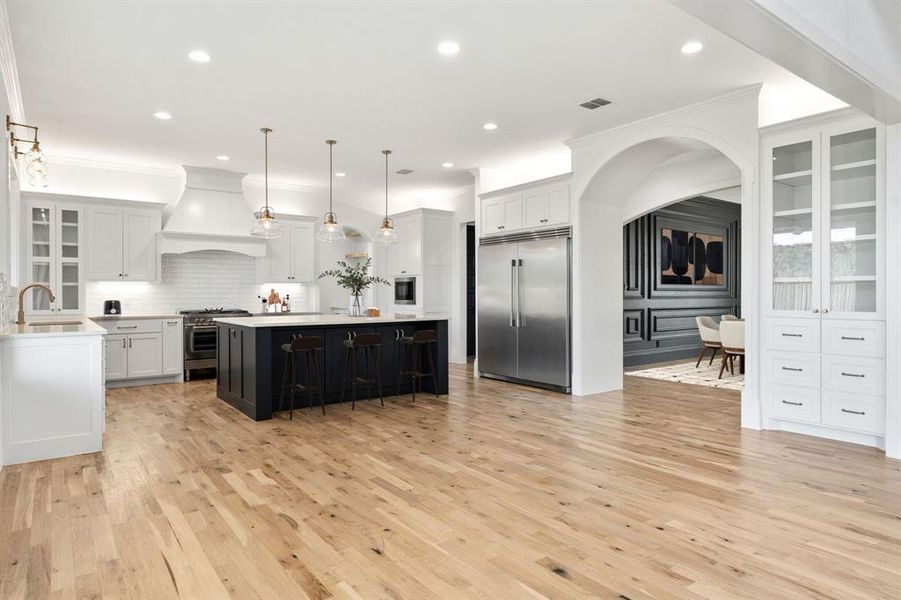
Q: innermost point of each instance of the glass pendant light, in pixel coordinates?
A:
(266, 226)
(330, 230)
(386, 235)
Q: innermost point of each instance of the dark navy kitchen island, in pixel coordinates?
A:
(250, 359)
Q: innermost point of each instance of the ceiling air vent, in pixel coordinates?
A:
(596, 103)
(404, 171)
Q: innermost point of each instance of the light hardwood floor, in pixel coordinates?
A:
(495, 492)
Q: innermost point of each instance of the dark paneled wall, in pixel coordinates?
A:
(659, 317)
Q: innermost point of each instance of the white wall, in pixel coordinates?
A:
(463, 206)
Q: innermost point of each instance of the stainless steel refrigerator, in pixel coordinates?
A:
(523, 299)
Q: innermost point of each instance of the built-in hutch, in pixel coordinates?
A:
(823, 266)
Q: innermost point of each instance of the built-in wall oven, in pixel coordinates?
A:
(405, 290)
(200, 336)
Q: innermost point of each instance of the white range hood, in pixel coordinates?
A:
(211, 215)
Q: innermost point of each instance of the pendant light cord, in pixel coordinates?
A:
(386, 152)
(266, 132)
(331, 174)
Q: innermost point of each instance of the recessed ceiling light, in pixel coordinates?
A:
(222, 157)
(447, 165)
(449, 48)
(162, 115)
(199, 56)
(489, 126)
(340, 174)
(692, 47)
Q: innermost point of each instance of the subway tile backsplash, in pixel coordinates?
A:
(210, 278)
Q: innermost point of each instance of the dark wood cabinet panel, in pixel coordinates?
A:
(658, 314)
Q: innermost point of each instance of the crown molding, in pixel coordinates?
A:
(8, 68)
(739, 95)
(90, 163)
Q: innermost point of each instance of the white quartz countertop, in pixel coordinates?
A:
(134, 317)
(322, 320)
(84, 326)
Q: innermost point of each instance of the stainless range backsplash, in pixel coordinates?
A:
(195, 280)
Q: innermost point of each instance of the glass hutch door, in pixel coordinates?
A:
(795, 270)
(852, 223)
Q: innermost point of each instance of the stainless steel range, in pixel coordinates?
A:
(200, 336)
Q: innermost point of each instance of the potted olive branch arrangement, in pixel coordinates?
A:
(354, 278)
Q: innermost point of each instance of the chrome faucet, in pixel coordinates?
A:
(20, 320)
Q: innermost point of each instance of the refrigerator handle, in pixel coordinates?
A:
(519, 320)
(513, 294)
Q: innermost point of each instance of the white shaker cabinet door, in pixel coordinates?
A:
(140, 245)
(104, 244)
(116, 357)
(145, 355)
(173, 346)
(303, 252)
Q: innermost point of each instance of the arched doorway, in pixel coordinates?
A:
(627, 180)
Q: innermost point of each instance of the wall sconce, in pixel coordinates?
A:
(35, 161)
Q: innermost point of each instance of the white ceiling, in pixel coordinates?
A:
(367, 74)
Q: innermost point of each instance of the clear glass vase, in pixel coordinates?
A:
(356, 305)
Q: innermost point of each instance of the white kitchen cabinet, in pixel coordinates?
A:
(115, 348)
(145, 355)
(824, 275)
(173, 347)
(54, 239)
(422, 251)
(405, 257)
(141, 350)
(545, 206)
(291, 258)
(503, 214)
(526, 207)
(121, 243)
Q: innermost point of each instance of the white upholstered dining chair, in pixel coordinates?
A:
(732, 340)
(710, 336)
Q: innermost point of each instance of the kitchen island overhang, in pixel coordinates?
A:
(250, 360)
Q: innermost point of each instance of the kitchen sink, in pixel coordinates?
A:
(47, 323)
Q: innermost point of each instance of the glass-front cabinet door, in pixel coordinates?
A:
(42, 267)
(853, 194)
(793, 193)
(55, 258)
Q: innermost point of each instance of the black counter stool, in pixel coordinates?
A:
(368, 346)
(415, 346)
(302, 353)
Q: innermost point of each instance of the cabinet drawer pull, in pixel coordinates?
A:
(544, 220)
(792, 403)
(853, 412)
(500, 226)
(171, 322)
(856, 339)
(792, 369)
(861, 375)
(792, 335)
(126, 326)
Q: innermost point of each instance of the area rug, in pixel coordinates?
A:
(687, 373)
